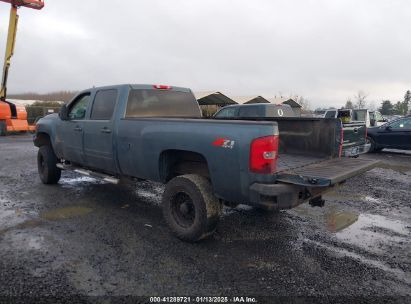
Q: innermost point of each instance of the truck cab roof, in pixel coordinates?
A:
(256, 110)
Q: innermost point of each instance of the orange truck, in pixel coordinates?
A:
(13, 117)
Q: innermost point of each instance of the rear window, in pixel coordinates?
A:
(161, 103)
(360, 115)
(250, 111)
(330, 114)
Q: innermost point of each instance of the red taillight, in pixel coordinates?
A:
(263, 154)
(161, 87)
(366, 133)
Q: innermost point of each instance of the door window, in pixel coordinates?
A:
(401, 124)
(103, 105)
(378, 117)
(79, 107)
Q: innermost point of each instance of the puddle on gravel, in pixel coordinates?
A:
(23, 225)
(398, 168)
(337, 221)
(65, 213)
(13, 218)
(76, 181)
(375, 232)
(399, 273)
(24, 241)
(343, 196)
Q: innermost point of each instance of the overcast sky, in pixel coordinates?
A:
(323, 50)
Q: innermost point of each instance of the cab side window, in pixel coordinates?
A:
(228, 112)
(401, 124)
(79, 107)
(103, 105)
(250, 111)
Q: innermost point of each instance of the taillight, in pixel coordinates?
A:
(366, 133)
(264, 154)
(161, 87)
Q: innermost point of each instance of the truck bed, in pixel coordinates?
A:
(292, 161)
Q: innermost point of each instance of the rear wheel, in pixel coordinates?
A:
(3, 128)
(190, 208)
(46, 164)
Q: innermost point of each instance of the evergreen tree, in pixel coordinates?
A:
(407, 103)
(386, 107)
(349, 104)
(398, 108)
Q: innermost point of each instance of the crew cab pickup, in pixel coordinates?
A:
(354, 132)
(157, 133)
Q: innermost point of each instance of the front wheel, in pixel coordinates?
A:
(46, 164)
(190, 208)
(373, 147)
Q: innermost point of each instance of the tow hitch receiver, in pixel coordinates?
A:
(317, 202)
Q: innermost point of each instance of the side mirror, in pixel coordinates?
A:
(63, 113)
(372, 122)
(388, 128)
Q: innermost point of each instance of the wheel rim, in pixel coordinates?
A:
(183, 209)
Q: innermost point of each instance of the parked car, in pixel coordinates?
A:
(395, 134)
(157, 133)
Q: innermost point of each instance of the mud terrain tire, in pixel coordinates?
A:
(46, 164)
(189, 207)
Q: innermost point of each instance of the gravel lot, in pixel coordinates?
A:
(85, 238)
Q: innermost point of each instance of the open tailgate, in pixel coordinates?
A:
(327, 172)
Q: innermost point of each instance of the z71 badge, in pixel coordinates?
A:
(224, 143)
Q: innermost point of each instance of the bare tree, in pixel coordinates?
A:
(360, 97)
(372, 106)
(304, 103)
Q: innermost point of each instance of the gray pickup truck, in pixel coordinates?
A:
(157, 133)
(354, 132)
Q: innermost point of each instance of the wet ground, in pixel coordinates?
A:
(88, 238)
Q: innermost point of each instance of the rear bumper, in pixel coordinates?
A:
(281, 196)
(355, 151)
(295, 186)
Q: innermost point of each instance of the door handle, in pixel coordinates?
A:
(105, 130)
(77, 128)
